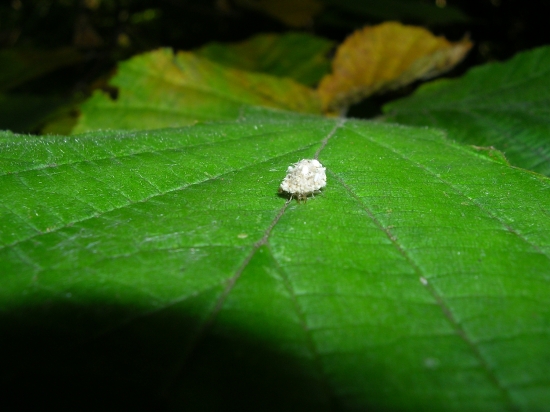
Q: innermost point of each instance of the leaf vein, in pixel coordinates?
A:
(437, 297)
(303, 322)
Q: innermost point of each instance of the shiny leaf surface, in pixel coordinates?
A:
(158, 269)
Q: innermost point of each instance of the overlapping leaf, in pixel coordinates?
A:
(160, 89)
(386, 57)
(160, 268)
(300, 56)
(505, 105)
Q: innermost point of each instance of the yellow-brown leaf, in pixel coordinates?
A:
(384, 57)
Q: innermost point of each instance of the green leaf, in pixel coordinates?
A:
(160, 89)
(18, 66)
(505, 105)
(153, 269)
(300, 56)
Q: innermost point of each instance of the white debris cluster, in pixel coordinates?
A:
(304, 178)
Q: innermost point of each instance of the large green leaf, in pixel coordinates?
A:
(161, 268)
(163, 89)
(506, 105)
(300, 56)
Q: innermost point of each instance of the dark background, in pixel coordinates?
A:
(107, 31)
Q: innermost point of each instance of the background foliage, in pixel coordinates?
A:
(104, 32)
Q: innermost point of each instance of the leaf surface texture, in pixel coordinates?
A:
(164, 263)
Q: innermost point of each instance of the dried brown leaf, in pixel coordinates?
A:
(385, 57)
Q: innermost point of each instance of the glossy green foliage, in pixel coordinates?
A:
(163, 89)
(153, 269)
(300, 56)
(505, 105)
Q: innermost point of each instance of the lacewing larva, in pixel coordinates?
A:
(304, 178)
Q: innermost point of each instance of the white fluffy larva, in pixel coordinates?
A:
(304, 178)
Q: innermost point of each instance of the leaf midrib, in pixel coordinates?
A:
(230, 282)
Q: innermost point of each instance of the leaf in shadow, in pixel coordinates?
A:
(300, 56)
(19, 66)
(293, 13)
(505, 105)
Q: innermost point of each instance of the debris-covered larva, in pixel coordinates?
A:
(304, 178)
